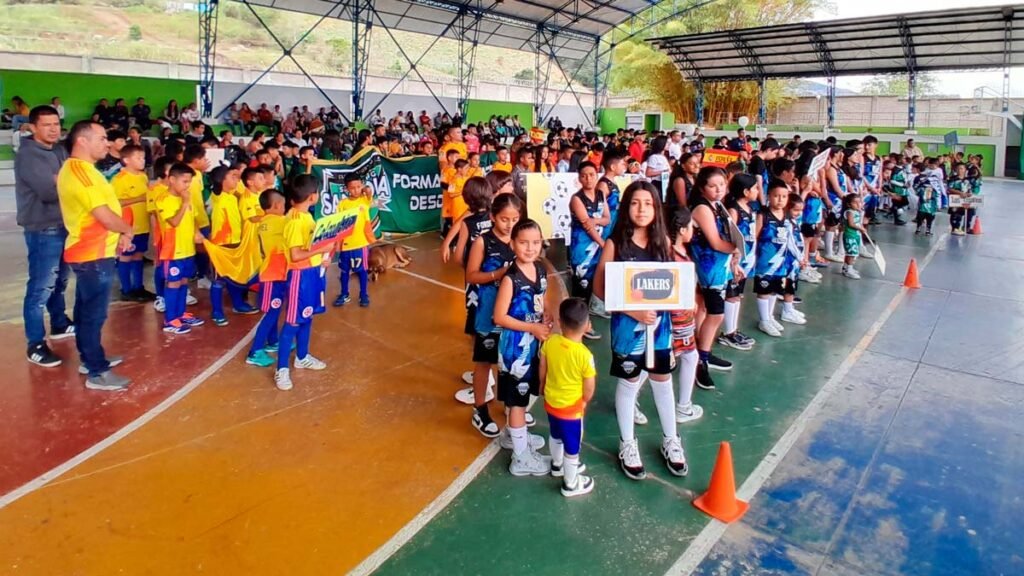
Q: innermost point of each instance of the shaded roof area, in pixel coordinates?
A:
(572, 27)
(961, 39)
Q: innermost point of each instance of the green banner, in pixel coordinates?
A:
(406, 192)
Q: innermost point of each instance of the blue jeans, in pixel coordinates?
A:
(92, 298)
(47, 281)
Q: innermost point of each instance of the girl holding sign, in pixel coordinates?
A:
(712, 252)
(641, 236)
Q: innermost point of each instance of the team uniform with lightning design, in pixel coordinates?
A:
(518, 373)
(747, 228)
(584, 252)
(629, 337)
(772, 249)
(497, 255)
(476, 224)
(614, 196)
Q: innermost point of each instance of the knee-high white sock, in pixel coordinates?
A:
(787, 307)
(829, 237)
(520, 442)
(571, 470)
(665, 402)
(771, 305)
(625, 401)
(764, 310)
(732, 313)
(687, 374)
(557, 450)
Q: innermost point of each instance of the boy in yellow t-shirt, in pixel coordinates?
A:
(447, 175)
(474, 165)
(253, 184)
(131, 184)
(504, 162)
(177, 247)
(273, 274)
(195, 157)
(567, 380)
(354, 255)
(455, 185)
(226, 230)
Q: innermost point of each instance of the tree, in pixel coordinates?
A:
(899, 85)
(650, 75)
(524, 74)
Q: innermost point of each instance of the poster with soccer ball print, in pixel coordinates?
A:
(547, 200)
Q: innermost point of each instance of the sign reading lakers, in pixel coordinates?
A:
(632, 286)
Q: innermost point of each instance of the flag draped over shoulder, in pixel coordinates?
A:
(240, 264)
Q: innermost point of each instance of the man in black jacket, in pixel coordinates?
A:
(35, 184)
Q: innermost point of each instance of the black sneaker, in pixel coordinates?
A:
(484, 425)
(720, 364)
(745, 338)
(734, 341)
(62, 333)
(41, 355)
(143, 295)
(704, 380)
(798, 300)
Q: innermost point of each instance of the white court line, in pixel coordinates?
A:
(134, 425)
(431, 280)
(712, 533)
(403, 536)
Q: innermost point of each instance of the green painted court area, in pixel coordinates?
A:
(646, 525)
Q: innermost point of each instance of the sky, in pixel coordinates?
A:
(961, 84)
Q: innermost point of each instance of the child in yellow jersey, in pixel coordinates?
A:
(447, 175)
(474, 165)
(458, 204)
(159, 187)
(253, 183)
(504, 160)
(567, 380)
(273, 274)
(305, 288)
(354, 255)
(130, 185)
(195, 157)
(226, 230)
(177, 247)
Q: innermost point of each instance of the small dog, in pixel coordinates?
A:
(385, 256)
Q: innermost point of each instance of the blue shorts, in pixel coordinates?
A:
(179, 270)
(354, 260)
(321, 306)
(305, 294)
(570, 432)
(205, 231)
(272, 295)
(140, 243)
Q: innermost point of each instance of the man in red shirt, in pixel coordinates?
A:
(637, 146)
(264, 116)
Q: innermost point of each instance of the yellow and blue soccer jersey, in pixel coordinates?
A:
(225, 219)
(568, 363)
(198, 206)
(129, 186)
(249, 205)
(82, 189)
(271, 233)
(298, 233)
(358, 239)
(176, 242)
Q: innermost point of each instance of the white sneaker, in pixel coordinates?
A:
(530, 463)
(833, 258)
(675, 457)
(505, 440)
(768, 329)
(639, 418)
(190, 300)
(467, 377)
(688, 413)
(597, 308)
(467, 396)
(807, 276)
(778, 326)
(629, 460)
(558, 472)
(815, 273)
(283, 379)
(792, 318)
(310, 363)
(159, 304)
(530, 420)
(851, 273)
(584, 485)
(204, 284)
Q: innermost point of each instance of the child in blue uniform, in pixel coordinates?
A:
(796, 261)
(853, 227)
(712, 252)
(519, 312)
(489, 259)
(589, 217)
(614, 164)
(640, 235)
(305, 288)
(835, 190)
(744, 193)
(772, 248)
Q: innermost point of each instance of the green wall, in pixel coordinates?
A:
(482, 110)
(611, 119)
(81, 92)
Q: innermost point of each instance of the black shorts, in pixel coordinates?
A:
(485, 348)
(735, 289)
(765, 285)
(580, 287)
(714, 300)
(515, 393)
(470, 327)
(808, 230)
(629, 367)
(831, 220)
(790, 286)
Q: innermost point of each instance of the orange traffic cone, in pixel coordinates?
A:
(976, 229)
(720, 500)
(911, 280)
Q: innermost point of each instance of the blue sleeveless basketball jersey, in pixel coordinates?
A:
(795, 249)
(747, 228)
(629, 337)
(476, 224)
(517, 351)
(772, 246)
(584, 253)
(497, 255)
(712, 266)
(613, 198)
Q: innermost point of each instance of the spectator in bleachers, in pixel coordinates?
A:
(119, 115)
(264, 117)
(20, 113)
(56, 105)
(276, 117)
(230, 118)
(135, 137)
(101, 113)
(195, 134)
(189, 115)
(141, 113)
(171, 115)
(248, 118)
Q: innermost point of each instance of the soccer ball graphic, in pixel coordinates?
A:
(562, 222)
(550, 205)
(562, 190)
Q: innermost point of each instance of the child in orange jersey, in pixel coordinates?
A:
(273, 274)
(226, 230)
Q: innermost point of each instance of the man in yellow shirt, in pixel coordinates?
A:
(131, 186)
(92, 217)
(567, 380)
(354, 255)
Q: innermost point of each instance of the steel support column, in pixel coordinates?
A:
(762, 109)
(909, 54)
(830, 103)
(361, 13)
(208, 10)
(602, 68)
(698, 103)
(1007, 51)
(911, 99)
(468, 32)
(541, 76)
